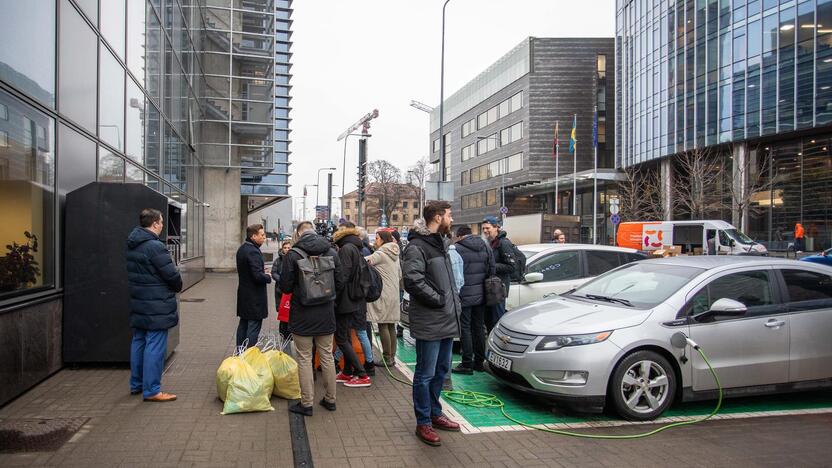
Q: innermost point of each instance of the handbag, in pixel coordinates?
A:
(495, 292)
(283, 309)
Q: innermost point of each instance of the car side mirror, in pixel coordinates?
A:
(723, 308)
(534, 277)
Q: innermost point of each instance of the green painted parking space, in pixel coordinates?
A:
(534, 411)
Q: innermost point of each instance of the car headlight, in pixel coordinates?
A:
(549, 343)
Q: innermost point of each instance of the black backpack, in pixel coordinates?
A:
(316, 279)
(519, 262)
(361, 282)
(376, 285)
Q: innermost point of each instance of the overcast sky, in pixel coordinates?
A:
(351, 57)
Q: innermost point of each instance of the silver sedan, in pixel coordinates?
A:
(764, 323)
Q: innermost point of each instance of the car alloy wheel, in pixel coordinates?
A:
(643, 386)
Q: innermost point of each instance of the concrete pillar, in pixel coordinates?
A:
(740, 170)
(666, 177)
(222, 218)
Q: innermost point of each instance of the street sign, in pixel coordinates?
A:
(615, 219)
(504, 210)
(615, 201)
(614, 209)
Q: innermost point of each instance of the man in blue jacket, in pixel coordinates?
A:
(153, 281)
(252, 295)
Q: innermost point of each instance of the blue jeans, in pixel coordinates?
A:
(248, 329)
(147, 360)
(366, 346)
(433, 360)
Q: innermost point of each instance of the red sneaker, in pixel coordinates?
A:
(342, 378)
(359, 382)
(445, 424)
(426, 434)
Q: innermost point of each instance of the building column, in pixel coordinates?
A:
(551, 199)
(666, 177)
(223, 219)
(740, 168)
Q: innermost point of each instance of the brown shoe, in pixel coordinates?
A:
(161, 397)
(445, 424)
(426, 434)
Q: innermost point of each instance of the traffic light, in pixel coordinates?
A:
(362, 168)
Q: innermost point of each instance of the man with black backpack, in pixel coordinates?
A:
(351, 305)
(311, 273)
(510, 263)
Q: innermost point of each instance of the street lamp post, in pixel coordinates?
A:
(442, 101)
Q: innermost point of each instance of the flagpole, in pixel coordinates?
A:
(595, 179)
(575, 172)
(557, 163)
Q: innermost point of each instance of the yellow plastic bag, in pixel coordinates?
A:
(225, 373)
(285, 371)
(257, 360)
(247, 391)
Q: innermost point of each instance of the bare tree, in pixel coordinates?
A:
(640, 194)
(420, 172)
(697, 182)
(751, 184)
(386, 187)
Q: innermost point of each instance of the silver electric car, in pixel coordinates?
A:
(764, 323)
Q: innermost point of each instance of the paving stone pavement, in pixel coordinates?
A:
(373, 427)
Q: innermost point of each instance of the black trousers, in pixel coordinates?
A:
(472, 337)
(343, 325)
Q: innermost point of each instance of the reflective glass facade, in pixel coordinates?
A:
(92, 91)
(692, 73)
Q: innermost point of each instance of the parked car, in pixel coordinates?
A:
(556, 268)
(764, 323)
(824, 258)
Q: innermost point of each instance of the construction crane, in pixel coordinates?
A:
(421, 106)
(363, 123)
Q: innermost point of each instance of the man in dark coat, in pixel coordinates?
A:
(434, 316)
(312, 326)
(252, 295)
(478, 264)
(283, 327)
(505, 264)
(153, 281)
(350, 305)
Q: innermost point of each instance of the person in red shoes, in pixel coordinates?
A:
(434, 315)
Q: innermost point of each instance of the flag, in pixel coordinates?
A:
(555, 145)
(572, 139)
(304, 191)
(595, 129)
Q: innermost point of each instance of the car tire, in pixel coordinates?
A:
(643, 386)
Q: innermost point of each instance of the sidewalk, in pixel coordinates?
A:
(372, 427)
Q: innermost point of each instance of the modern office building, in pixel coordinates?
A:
(747, 80)
(499, 130)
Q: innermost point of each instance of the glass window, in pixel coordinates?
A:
(644, 284)
(751, 288)
(600, 261)
(27, 47)
(504, 108)
(464, 178)
(136, 31)
(515, 162)
(491, 197)
(135, 128)
(27, 198)
(152, 139)
(112, 24)
(76, 160)
(110, 166)
(78, 66)
(558, 266)
(111, 101)
(517, 101)
(808, 290)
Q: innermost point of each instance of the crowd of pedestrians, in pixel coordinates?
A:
(329, 288)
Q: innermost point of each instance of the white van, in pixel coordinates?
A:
(706, 237)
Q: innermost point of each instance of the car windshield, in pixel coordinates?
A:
(738, 236)
(528, 253)
(642, 285)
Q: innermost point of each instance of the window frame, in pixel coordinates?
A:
(775, 308)
(816, 304)
(581, 273)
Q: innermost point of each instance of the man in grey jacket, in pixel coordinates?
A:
(434, 316)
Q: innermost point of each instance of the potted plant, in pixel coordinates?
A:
(18, 268)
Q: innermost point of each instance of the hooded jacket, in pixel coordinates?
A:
(316, 320)
(153, 281)
(386, 261)
(252, 294)
(349, 245)
(478, 264)
(504, 258)
(429, 279)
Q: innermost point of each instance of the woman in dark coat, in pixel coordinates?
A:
(252, 295)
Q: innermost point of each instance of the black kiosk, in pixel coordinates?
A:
(98, 219)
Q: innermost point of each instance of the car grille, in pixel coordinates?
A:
(511, 341)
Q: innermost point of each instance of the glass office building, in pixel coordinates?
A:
(749, 77)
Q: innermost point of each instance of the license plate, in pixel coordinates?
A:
(499, 361)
